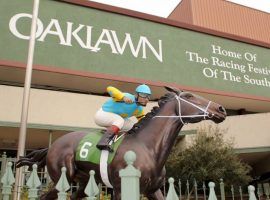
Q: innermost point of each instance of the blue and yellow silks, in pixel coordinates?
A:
(118, 106)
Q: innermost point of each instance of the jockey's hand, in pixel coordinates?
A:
(127, 100)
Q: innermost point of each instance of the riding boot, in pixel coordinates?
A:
(103, 143)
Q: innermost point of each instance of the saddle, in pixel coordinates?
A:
(88, 152)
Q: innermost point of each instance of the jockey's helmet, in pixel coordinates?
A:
(143, 90)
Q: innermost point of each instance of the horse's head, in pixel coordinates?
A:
(192, 108)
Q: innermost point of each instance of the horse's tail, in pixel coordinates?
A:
(37, 157)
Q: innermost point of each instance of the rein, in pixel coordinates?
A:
(180, 116)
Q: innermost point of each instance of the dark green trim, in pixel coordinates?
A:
(69, 128)
(46, 126)
(252, 150)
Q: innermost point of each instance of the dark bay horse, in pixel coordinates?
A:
(151, 139)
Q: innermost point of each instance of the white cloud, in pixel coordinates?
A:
(161, 8)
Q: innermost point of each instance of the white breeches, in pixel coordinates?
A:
(107, 119)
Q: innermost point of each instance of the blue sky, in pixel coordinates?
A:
(163, 8)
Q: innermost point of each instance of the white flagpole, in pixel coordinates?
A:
(25, 104)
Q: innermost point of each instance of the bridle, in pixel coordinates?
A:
(180, 116)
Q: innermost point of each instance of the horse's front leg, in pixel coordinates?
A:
(117, 197)
(156, 196)
(116, 194)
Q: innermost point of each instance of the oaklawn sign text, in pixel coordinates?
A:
(75, 38)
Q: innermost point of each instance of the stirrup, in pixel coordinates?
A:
(110, 149)
(105, 147)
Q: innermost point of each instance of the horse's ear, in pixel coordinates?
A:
(172, 89)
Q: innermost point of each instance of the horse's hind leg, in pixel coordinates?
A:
(82, 178)
(79, 194)
(54, 170)
(50, 195)
(156, 196)
(70, 165)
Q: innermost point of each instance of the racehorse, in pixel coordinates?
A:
(151, 139)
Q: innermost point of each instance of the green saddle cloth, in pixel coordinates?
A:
(87, 150)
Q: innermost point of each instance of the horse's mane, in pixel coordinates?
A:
(152, 113)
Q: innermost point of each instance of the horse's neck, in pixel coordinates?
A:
(160, 135)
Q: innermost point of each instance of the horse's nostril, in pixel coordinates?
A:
(221, 109)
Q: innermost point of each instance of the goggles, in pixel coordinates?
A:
(144, 95)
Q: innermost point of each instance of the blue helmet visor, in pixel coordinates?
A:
(144, 95)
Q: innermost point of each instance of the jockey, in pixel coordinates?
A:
(115, 112)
